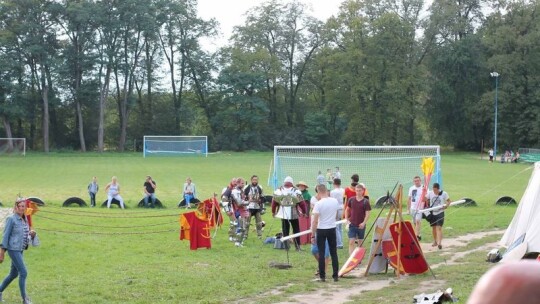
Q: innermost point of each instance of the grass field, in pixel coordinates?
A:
(95, 255)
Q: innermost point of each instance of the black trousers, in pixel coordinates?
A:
(286, 226)
(322, 236)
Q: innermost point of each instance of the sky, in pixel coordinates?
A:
(230, 13)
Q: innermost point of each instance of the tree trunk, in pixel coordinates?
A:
(104, 94)
(80, 124)
(7, 128)
(45, 99)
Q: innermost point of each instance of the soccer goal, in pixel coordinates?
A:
(13, 146)
(175, 145)
(379, 167)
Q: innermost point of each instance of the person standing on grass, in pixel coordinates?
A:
(338, 193)
(93, 189)
(357, 214)
(490, 153)
(289, 209)
(320, 178)
(314, 249)
(113, 192)
(323, 228)
(437, 197)
(254, 194)
(190, 192)
(415, 194)
(149, 187)
(329, 177)
(351, 190)
(229, 207)
(17, 236)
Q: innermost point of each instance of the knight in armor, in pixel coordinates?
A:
(228, 208)
(242, 213)
(254, 194)
(288, 205)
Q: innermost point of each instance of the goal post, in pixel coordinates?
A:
(12, 146)
(379, 167)
(154, 145)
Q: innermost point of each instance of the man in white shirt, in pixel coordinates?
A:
(323, 226)
(338, 193)
(413, 204)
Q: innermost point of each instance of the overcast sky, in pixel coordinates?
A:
(230, 13)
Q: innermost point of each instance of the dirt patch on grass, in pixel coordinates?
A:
(333, 293)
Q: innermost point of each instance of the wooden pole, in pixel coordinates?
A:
(398, 202)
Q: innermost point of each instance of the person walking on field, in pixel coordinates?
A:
(113, 192)
(437, 197)
(415, 194)
(93, 189)
(323, 228)
(17, 235)
(357, 214)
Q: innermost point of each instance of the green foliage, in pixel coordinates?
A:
(382, 72)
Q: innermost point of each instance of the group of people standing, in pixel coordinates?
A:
(241, 203)
(149, 190)
(327, 207)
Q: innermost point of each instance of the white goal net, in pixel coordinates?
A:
(13, 146)
(379, 167)
(175, 145)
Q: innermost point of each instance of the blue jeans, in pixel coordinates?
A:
(17, 269)
(92, 199)
(188, 198)
(152, 196)
(339, 235)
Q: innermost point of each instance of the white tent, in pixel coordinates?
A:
(527, 217)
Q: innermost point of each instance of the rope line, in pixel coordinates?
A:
(103, 226)
(109, 233)
(42, 210)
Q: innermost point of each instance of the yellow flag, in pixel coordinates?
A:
(428, 165)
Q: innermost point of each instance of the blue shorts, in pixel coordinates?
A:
(356, 233)
(315, 250)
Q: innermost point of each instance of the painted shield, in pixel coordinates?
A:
(354, 260)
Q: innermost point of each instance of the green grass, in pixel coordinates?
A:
(84, 259)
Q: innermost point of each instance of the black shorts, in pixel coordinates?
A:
(437, 219)
(491, 158)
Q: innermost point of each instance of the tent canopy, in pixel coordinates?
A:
(526, 219)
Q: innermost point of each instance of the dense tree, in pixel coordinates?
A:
(82, 74)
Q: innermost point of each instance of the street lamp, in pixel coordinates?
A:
(496, 76)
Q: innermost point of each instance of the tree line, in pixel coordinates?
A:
(100, 74)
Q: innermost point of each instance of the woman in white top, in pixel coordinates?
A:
(190, 192)
(113, 192)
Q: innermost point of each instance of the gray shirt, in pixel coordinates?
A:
(93, 187)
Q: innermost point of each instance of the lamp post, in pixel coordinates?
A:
(496, 76)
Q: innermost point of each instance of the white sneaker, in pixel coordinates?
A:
(27, 300)
(238, 244)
